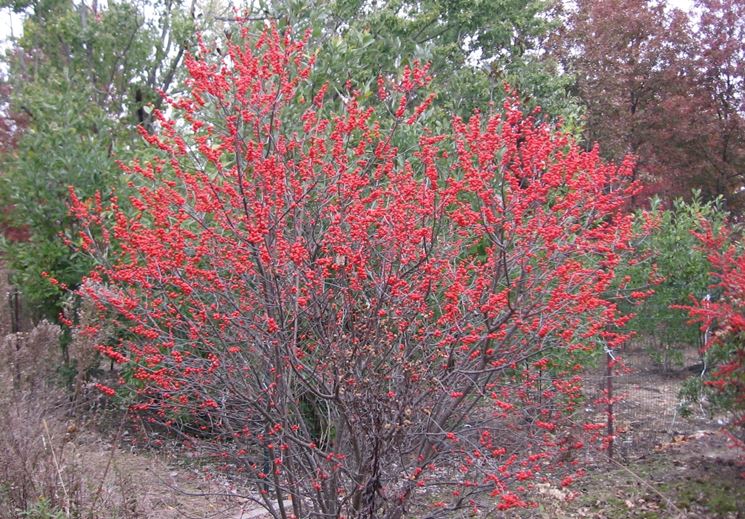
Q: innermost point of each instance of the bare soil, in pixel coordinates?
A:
(152, 484)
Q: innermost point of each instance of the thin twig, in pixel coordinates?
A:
(249, 19)
(57, 467)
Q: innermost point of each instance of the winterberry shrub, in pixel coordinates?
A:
(357, 324)
(721, 315)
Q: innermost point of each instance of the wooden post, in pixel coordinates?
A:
(609, 395)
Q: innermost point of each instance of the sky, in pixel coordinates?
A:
(10, 23)
(681, 4)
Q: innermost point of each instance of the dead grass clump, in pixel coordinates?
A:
(34, 470)
(81, 350)
(30, 360)
(42, 467)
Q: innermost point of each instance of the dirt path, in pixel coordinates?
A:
(137, 484)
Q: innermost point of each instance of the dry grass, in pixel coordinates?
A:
(42, 472)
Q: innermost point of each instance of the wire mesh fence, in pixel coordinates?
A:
(646, 400)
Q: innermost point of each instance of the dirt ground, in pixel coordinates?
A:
(692, 476)
(125, 481)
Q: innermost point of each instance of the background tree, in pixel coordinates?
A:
(473, 47)
(720, 61)
(665, 88)
(629, 59)
(670, 265)
(80, 76)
